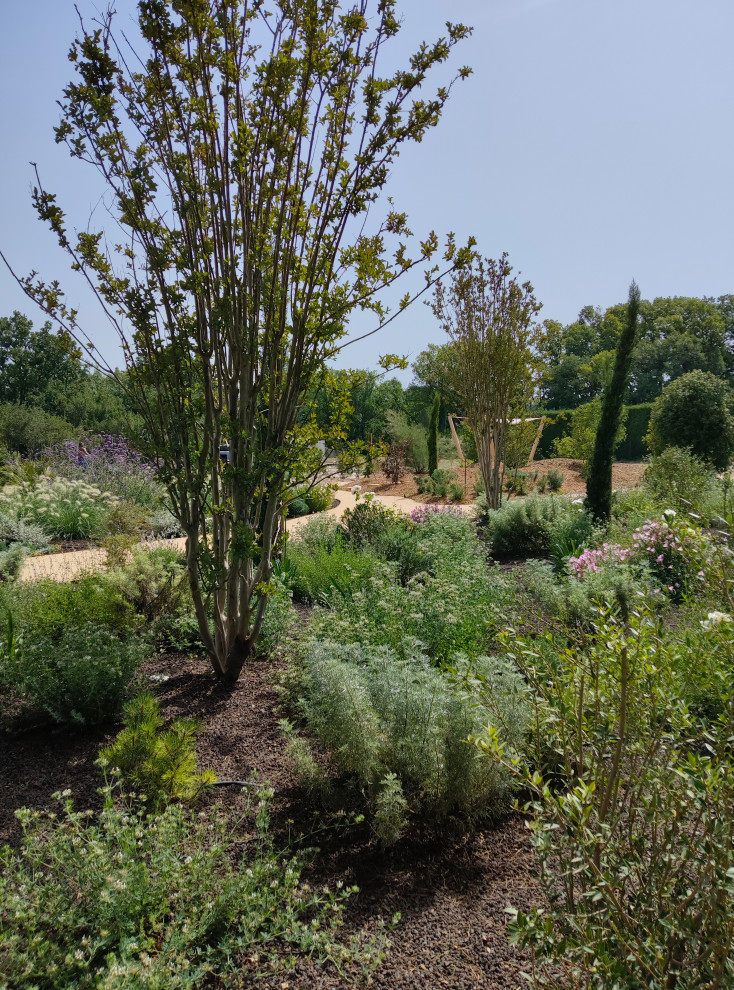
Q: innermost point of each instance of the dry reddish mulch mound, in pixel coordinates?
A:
(625, 474)
(451, 887)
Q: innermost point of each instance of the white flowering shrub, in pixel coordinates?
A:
(65, 509)
(454, 607)
(151, 901)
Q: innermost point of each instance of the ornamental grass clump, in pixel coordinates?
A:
(398, 726)
(65, 509)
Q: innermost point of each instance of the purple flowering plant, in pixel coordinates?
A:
(423, 513)
(110, 463)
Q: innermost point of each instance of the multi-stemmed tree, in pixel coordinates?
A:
(489, 318)
(243, 144)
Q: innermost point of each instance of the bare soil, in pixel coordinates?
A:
(452, 886)
(625, 474)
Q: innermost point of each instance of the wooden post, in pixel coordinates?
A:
(537, 439)
(456, 436)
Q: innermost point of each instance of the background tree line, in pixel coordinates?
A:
(676, 336)
(47, 393)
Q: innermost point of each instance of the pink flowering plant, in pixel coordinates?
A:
(676, 553)
(592, 559)
(423, 513)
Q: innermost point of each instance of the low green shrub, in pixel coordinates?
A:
(321, 532)
(455, 492)
(572, 602)
(81, 677)
(318, 498)
(11, 561)
(15, 530)
(298, 507)
(569, 532)
(399, 727)
(278, 621)
(400, 543)
(153, 582)
(677, 479)
(126, 518)
(440, 481)
(171, 900)
(320, 573)
(454, 608)
(160, 766)
(555, 479)
(633, 826)
(46, 608)
(367, 521)
(522, 528)
(517, 483)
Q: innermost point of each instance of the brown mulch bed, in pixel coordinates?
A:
(451, 886)
(625, 474)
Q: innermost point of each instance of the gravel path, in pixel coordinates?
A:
(67, 566)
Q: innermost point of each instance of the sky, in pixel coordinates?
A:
(593, 142)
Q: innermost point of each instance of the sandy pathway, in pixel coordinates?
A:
(67, 566)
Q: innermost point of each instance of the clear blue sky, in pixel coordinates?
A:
(594, 143)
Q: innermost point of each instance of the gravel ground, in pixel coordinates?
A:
(451, 887)
(625, 474)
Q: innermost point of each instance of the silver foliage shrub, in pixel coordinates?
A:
(400, 725)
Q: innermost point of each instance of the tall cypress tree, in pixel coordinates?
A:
(599, 482)
(433, 434)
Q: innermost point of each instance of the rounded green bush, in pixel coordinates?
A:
(81, 678)
(298, 507)
(693, 411)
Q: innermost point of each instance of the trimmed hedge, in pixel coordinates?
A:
(632, 448)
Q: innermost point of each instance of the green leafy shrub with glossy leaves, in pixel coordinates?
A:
(694, 412)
